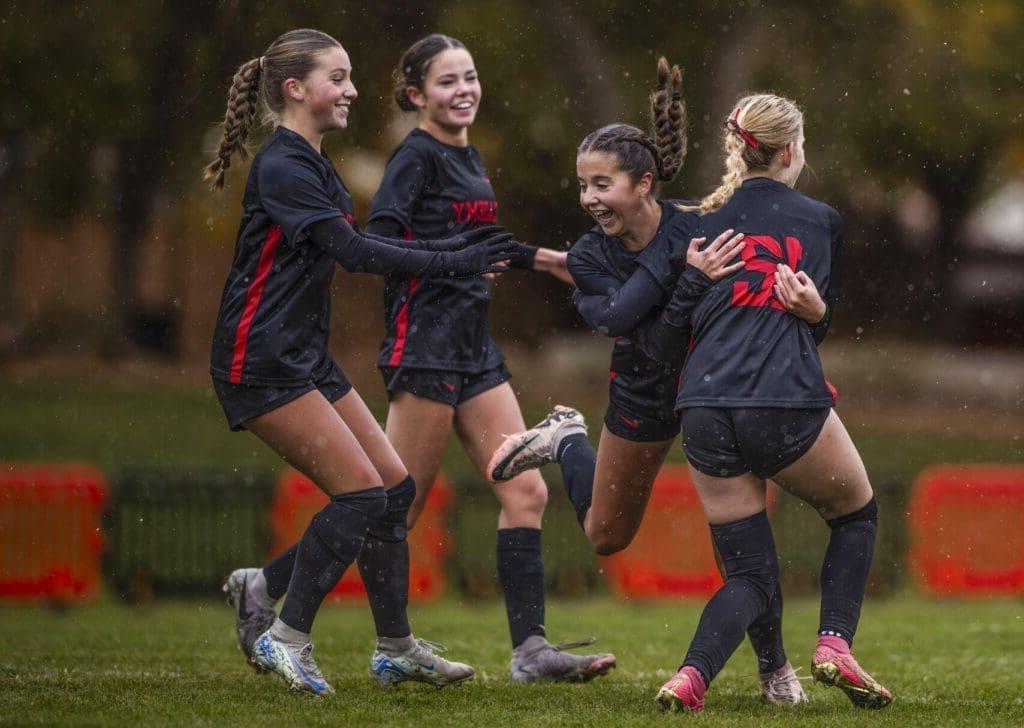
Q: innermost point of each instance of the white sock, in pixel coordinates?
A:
(283, 633)
(256, 591)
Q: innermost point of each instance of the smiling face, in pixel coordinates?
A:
(451, 91)
(608, 194)
(328, 90)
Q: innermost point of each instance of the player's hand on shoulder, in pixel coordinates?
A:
(713, 261)
(798, 294)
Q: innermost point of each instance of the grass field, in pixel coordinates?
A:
(948, 663)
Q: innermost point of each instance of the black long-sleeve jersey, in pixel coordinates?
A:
(602, 269)
(745, 349)
(432, 190)
(297, 222)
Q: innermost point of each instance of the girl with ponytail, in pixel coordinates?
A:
(274, 375)
(625, 269)
(755, 403)
(441, 368)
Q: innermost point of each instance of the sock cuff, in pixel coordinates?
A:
(519, 539)
(868, 512)
(757, 520)
(574, 437)
(402, 495)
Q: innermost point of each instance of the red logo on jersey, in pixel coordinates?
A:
(485, 211)
(634, 424)
(448, 385)
(761, 254)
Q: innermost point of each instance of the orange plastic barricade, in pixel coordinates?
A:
(297, 500)
(50, 531)
(671, 555)
(965, 530)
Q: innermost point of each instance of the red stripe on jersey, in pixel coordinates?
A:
(402, 322)
(252, 301)
(832, 389)
(402, 326)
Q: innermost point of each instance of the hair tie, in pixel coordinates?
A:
(748, 138)
(677, 96)
(260, 62)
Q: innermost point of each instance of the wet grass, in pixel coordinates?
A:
(175, 663)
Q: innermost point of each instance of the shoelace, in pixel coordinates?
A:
(306, 660)
(783, 685)
(561, 646)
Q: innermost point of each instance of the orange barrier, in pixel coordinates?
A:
(671, 555)
(50, 531)
(297, 500)
(965, 530)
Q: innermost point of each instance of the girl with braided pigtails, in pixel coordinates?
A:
(274, 375)
(625, 269)
(755, 404)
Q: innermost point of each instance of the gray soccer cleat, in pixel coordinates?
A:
(420, 663)
(294, 664)
(536, 660)
(251, 620)
(535, 447)
(783, 687)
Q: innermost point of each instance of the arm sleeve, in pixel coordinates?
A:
(618, 312)
(360, 254)
(588, 274)
(386, 227)
(831, 295)
(666, 338)
(400, 190)
(294, 194)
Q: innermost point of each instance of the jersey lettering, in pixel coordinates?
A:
(761, 254)
(477, 211)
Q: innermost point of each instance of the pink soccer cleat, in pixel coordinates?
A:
(683, 692)
(834, 665)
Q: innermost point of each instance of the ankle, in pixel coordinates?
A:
(394, 646)
(281, 632)
(834, 642)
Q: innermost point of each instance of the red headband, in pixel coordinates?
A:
(733, 126)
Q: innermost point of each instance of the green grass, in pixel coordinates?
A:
(948, 663)
(116, 428)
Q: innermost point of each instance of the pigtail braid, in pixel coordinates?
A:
(668, 116)
(735, 168)
(243, 100)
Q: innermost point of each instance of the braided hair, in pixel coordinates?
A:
(292, 55)
(638, 154)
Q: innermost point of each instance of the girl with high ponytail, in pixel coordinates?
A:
(755, 403)
(274, 375)
(625, 269)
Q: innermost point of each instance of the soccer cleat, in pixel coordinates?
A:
(534, 447)
(832, 667)
(683, 692)
(251, 620)
(292, 663)
(783, 687)
(419, 664)
(536, 660)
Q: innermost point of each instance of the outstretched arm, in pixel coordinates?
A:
(362, 254)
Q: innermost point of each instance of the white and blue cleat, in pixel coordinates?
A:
(291, 663)
(419, 663)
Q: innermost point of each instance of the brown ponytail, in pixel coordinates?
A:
(292, 55)
(636, 152)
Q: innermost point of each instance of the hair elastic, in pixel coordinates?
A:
(733, 126)
(261, 62)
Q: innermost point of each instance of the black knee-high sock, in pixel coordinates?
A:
(328, 546)
(578, 461)
(384, 563)
(521, 572)
(766, 635)
(752, 573)
(844, 572)
(279, 572)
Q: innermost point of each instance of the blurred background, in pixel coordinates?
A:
(114, 253)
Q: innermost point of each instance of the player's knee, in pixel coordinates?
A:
(391, 526)
(606, 542)
(526, 498)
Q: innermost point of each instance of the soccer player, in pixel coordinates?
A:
(755, 404)
(626, 268)
(274, 376)
(441, 368)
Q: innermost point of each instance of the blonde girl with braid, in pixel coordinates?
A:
(755, 404)
(274, 375)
